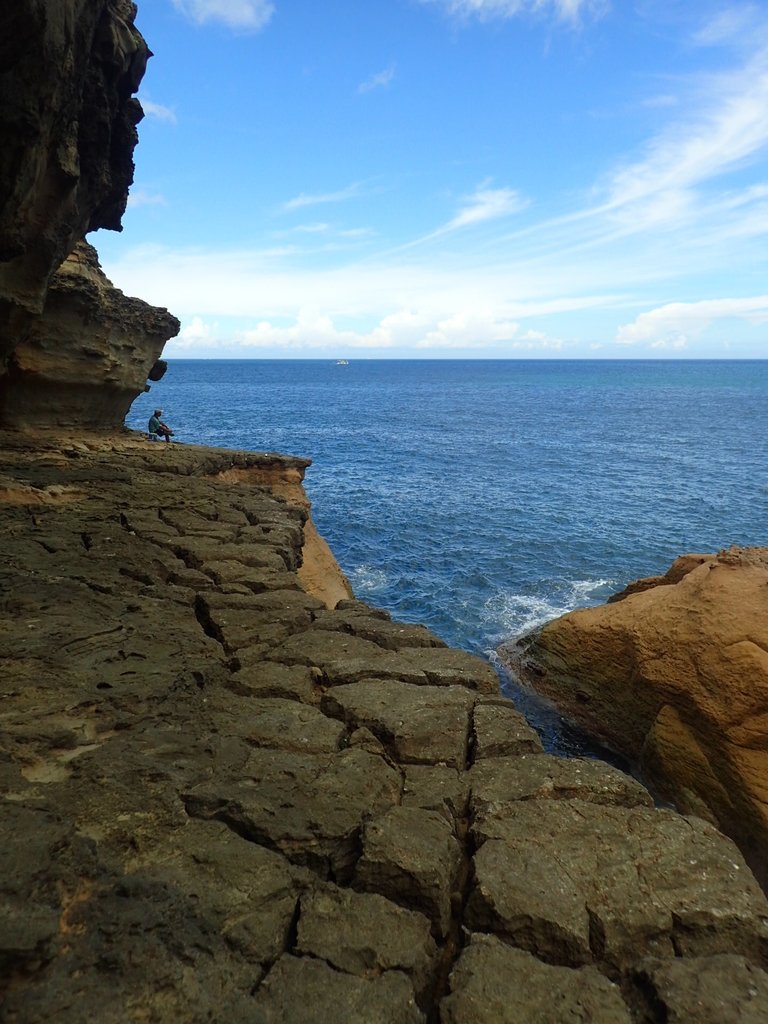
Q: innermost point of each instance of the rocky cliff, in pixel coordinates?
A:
(68, 129)
(674, 674)
(86, 357)
(73, 349)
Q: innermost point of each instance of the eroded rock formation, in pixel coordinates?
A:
(223, 801)
(84, 360)
(674, 674)
(68, 71)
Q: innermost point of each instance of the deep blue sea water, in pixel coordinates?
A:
(483, 497)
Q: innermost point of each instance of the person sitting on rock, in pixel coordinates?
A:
(157, 428)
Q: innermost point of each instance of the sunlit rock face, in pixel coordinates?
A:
(674, 674)
(68, 120)
(87, 357)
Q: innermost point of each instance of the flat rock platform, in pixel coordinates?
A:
(220, 800)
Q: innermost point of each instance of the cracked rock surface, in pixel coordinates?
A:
(224, 800)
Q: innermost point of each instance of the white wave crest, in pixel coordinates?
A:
(506, 616)
(367, 579)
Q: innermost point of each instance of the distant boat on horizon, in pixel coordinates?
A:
(342, 362)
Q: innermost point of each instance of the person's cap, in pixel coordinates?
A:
(158, 412)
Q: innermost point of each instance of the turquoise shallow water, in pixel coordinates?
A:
(484, 497)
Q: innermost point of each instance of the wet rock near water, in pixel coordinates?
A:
(225, 800)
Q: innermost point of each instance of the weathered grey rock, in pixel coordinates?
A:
(311, 809)
(248, 894)
(102, 941)
(323, 647)
(437, 788)
(161, 820)
(303, 991)
(33, 864)
(498, 783)
(393, 636)
(259, 618)
(525, 895)
(501, 731)
(417, 724)
(450, 667)
(347, 659)
(270, 679)
(366, 935)
(722, 989)
(574, 882)
(199, 552)
(279, 724)
(495, 984)
(412, 857)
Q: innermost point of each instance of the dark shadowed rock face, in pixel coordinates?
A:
(85, 360)
(67, 133)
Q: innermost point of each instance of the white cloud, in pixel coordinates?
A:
(737, 23)
(676, 323)
(157, 110)
(268, 284)
(408, 328)
(486, 10)
(312, 229)
(195, 334)
(486, 204)
(378, 81)
(317, 199)
(141, 197)
(238, 14)
(730, 129)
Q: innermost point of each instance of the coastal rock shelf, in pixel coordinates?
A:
(224, 799)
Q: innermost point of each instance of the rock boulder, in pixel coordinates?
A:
(674, 675)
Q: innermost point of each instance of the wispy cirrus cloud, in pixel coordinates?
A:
(250, 15)
(378, 81)
(143, 197)
(487, 10)
(320, 198)
(157, 110)
(486, 204)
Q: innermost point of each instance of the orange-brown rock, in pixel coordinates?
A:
(674, 675)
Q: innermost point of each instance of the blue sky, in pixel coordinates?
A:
(452, 178)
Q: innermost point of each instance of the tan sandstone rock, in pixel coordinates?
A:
(84, 361)
(674, 674)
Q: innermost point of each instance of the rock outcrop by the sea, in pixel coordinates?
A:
(673, 673)
(68, 72)
(223, 800)
(86, 358)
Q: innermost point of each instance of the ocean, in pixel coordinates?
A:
(482, 497)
